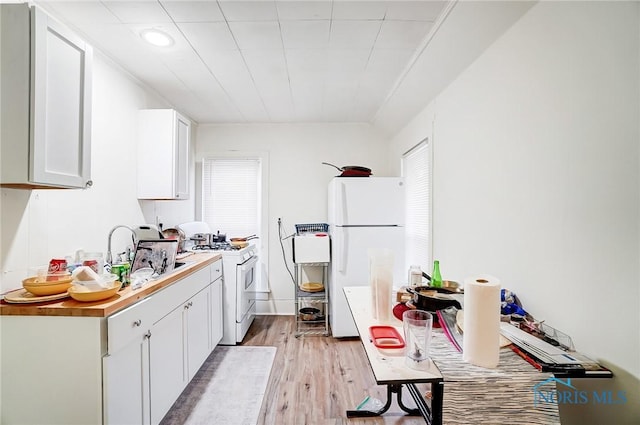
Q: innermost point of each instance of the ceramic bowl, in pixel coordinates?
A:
(86, 294)
(48, 284)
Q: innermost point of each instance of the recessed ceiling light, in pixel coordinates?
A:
(156, 37)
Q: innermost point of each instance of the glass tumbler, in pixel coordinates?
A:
(417, 325)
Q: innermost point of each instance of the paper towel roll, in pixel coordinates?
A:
(481, 338)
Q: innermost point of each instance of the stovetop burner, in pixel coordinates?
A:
(218, 246)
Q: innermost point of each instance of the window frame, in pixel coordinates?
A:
(262, 242)
(426, 144)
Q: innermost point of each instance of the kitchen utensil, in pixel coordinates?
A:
(84, 294)
(309, 313)
(417, 325)
(159, 254)
(385, 337)
(247, 238)
(22, 296)
(452, 287)
(239, 244)
(201, 239)
(432, 299)
(312, 287)
(175, 233)
(218, 237)
(351, 170)
(147, 231)
(57, 285)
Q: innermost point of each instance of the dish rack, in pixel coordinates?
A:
(311, 256)
(311, 228)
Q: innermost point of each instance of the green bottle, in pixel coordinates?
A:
(436, 278)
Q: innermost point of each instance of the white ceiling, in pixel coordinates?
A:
(238, 61)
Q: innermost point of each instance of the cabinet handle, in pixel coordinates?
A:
(137, 322)
(88, 184)
(147, 335)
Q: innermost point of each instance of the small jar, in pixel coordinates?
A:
(415, 276)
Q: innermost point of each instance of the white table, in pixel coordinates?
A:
(389, 367)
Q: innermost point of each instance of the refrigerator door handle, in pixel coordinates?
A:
(343, 195)
(342, 261)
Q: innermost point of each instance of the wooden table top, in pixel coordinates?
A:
(124, 298)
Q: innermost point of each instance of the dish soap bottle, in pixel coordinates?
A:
(436, 278)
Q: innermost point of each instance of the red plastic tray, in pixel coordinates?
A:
(386, 337)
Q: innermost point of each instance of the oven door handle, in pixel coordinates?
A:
(249, 263)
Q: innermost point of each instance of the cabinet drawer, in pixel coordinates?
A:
(129, 324)
(136, 320)
(216, 270)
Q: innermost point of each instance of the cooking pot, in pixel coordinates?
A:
(201, 239)
(351, 170)
(431, 299)
(218, 237)
(309, 313)
(175, 234)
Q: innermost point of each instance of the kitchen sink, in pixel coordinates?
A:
(180, 264)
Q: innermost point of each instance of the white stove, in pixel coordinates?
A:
(239, 275)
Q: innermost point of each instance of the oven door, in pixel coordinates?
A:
(246, 275)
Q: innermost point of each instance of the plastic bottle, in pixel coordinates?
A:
(436, 278)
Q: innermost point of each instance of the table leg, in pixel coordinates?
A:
(437, 392)
(391, 388)
(421, 403)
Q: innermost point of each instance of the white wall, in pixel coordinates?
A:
(536, 181)
(42, 224)
(297, 186)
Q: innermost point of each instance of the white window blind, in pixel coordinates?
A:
(416, 170)
(231, 196)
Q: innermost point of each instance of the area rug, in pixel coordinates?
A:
(228, 389)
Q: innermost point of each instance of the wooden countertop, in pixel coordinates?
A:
(126, 297)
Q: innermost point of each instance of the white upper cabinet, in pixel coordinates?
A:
(163, 154)
(46, 102)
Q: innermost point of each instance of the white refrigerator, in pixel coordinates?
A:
(364, 213)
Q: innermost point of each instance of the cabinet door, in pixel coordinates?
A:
(126, 384)
(217, 327)
(60, 131)
(198, 332)
(167, 363)
(163, 154)
(183, 129)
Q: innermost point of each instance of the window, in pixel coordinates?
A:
(416, 170)
(231, 196)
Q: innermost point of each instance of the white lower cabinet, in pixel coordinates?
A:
(125, 369)
(217, 326)
(215, 313)
(126, 384)
(167, 376)
(146, 372)
(196, 318)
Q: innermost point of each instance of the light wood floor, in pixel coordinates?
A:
(315, 379)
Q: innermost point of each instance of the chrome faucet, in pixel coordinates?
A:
(109, 258)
